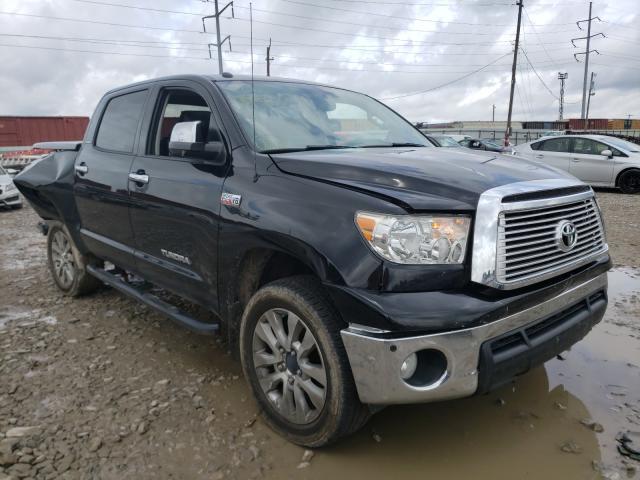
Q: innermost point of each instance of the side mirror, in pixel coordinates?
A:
(607, 153)
(188, 140)
(12, 172)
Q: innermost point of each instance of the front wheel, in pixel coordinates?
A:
(67, 265)
(629, 181)
(296, 365)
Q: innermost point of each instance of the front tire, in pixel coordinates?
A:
(629, 181)
(67, 265)
(296, 364)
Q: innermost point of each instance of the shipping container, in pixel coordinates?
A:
(616, 124)
(25, 131)
(541, 125)
(594, 124)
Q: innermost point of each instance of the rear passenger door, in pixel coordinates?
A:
(587, 162)
(101, 176)
(175, 212)
(554, 152)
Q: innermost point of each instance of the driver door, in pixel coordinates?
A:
(175, 208)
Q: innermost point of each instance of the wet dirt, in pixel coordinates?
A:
(117, 391)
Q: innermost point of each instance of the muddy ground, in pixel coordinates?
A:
(102, 387)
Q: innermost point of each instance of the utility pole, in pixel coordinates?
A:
(218, 43)
(586, 54)
(493, 114)
(269, 59)
(507, 132)
(592, 86)
(562, 77)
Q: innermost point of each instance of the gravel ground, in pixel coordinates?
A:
(102, 387)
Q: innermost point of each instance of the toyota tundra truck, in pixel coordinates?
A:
(348, 263)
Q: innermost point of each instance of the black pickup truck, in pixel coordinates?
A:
(348, 263)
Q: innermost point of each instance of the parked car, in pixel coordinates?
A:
(443, 141)
(345, 272)
(9, 196)
(595, 159)
(487, 145)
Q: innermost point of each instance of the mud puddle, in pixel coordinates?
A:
(519, 430)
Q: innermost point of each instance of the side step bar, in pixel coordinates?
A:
(171, 311)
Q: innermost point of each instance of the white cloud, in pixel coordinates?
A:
(57, 82)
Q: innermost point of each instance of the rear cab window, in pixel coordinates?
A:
(119, 124)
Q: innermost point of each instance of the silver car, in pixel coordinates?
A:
(9, 196)
(595, 159)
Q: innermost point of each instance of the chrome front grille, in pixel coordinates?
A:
(530, 245)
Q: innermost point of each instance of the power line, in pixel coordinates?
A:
(344, 22)
(181, 57)
(538, 75)
(333, 32)
(448, 83)
(413, 19)
(97, 22)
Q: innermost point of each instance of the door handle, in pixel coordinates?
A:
(139, 177)
(539, 156)
(575, 160)
(82, 168)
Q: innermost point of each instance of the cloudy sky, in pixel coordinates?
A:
(457, 52)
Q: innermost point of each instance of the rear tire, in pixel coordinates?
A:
(311, 403)
(629, 181)
(67, 265)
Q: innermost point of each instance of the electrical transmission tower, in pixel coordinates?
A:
(562, 77)
(586, 54)
(218, 43)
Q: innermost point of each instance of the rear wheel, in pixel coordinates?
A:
(629, 181)
(67, 264)
(295, 362)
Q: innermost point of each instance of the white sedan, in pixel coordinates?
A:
(598, 160)
(9, 196)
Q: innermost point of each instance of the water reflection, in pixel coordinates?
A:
(515, 432)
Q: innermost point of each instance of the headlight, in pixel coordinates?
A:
(416, 239)
(10, 187)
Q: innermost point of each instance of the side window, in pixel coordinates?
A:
(556, 145)
(119, 124)
(537, 145)
(587, 146)
(181, 106)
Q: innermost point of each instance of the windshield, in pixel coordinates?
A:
(447, 142)
(623, 144)
(295, 116)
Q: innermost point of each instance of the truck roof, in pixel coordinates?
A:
(217, 78)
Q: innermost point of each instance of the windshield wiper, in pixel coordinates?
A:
(308, 148)
(394, 144)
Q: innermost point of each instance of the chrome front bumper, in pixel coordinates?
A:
(375, 362)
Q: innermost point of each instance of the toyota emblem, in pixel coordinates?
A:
(566, 235)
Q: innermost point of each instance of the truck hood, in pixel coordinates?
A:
(416, 178)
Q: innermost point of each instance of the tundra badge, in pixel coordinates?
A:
(176, 256)
(230, 199)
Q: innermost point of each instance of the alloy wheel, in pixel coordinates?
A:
(289, 366)
(63, 261)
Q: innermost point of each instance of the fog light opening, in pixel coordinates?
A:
(424, 368)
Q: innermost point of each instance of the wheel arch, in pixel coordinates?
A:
(622, 172)
(258, 267)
